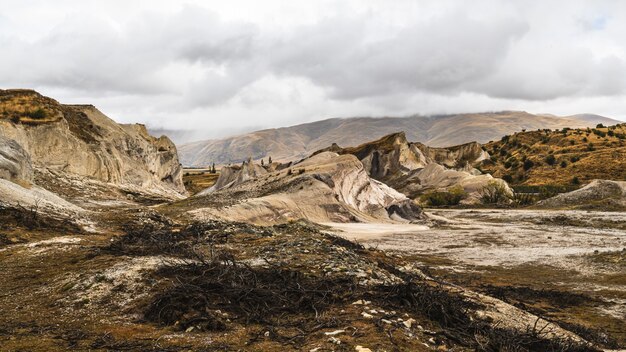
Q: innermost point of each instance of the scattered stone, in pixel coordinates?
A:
(362, 349)
(409, 322)
(334, 340)
(366, 315)
(333, 333)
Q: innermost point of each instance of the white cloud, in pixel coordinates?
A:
(228, 66)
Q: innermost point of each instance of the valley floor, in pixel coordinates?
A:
(146, 282)
(568, 266)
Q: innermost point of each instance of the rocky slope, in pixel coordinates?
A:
(79, 140)
(414, 168)
(296, 142)
(603, 194)
(324, 188)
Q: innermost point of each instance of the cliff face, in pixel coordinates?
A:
(15, 164)
(80, 140)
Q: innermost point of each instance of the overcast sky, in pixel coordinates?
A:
(228, 66)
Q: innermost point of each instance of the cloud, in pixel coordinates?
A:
(226, 66)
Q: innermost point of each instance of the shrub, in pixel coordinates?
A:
(546, 192)
(611, 133)
(599, 133)
(575, 180)
(522, 199)
(452, 196)
(494, 193)
(574, 159)
(528, 164)
(37, 114)
(563, 163)
(508, 178)
(550, 159)
(599, 125)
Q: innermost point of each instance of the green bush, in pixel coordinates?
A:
(452, 196)
(599, 133)
(523, 199)
(37, 114)
(494, 193)
(528, 164)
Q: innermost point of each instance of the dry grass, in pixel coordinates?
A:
(28, 107)
(562, 157)
(198, 180)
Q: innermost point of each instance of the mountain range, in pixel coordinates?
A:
(296, 142)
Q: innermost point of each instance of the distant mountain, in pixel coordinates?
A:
(295, 142)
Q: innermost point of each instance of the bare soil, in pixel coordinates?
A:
(567, 266)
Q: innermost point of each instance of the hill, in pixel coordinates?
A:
(559, 157)
(296, 142)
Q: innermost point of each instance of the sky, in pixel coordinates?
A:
(224, 67)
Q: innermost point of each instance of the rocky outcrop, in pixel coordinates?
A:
(414, 168)
(324, 188)
(605, 194)
(460, 156)
(15, 164)
(234, 175)
(80, 140)
(18, 191)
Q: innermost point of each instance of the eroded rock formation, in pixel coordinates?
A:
(80, 140)
(414, 168)
(325, 188)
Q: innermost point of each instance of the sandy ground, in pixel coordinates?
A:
(498, 237)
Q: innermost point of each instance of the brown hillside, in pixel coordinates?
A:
(559, 157)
